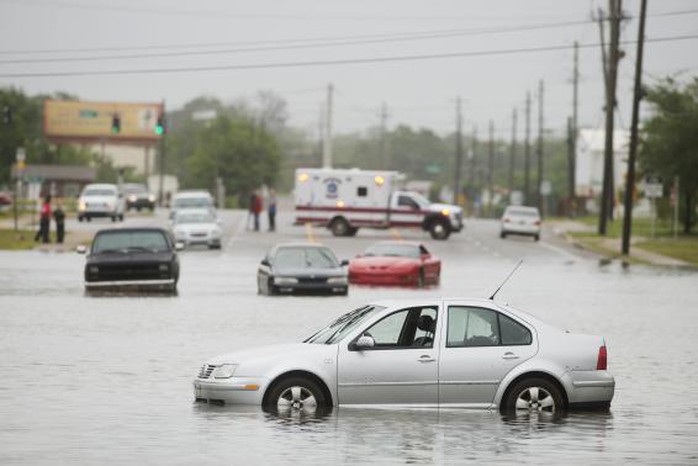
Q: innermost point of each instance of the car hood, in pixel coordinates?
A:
(131, 256)
(373, 262)
(189, 227)
(307, 271)
(437, 207)
(256, 361)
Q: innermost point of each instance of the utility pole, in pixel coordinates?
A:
(473, 165)
(327, 146)
(163, 146)
(575, 128)
(637, 96)
(490, 170)
(459, 151)
(570, 161)
(385, 158)
(539, 196)
(610, 62)
(527, 152)
(512, 155)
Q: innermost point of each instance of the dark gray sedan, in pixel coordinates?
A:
(301, 267)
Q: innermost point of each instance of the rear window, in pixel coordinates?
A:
(192, 202)
(523, 212)
(99, 192)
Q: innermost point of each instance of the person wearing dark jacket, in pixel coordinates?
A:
(59, 217)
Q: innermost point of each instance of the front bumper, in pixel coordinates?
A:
(236, 390)
(393, 279)
(162, 284)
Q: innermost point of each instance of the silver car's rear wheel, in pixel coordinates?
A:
(296, 394)
(534, 395)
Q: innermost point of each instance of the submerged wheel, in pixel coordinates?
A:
(439, 230)
(340, 227)
(296, 394)
(537, 237)
(534, 395)
(420, 278)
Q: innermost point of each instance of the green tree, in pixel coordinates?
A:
(243, 154)
(669, 144)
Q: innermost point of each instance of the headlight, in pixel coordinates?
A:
(151, 198)
(337, 280)
(216, 232)
(164, 267)
(132, 198)
(224, 371)
(81, 205)
(285, 281)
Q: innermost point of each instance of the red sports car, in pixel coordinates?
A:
(395, 263)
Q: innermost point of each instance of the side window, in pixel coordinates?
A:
(362, 191)
(472, 326)
(407, 328)
(513, 333)
(406, 201)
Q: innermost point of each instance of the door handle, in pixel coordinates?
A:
(426, 358)
(509, 356)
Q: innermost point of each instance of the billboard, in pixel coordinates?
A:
(89, 122)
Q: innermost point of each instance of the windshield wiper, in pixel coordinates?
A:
(110, 251)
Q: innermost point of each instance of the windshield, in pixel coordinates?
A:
(342, 326)
(99, 192)
(523, 212)
(300, 257)
(393, 249)
(121, 241)
(187, 202)
(195, 217)
(135, 188)
(421, 200)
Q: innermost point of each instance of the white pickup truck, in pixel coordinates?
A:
(345, 200)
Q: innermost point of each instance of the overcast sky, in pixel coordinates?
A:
(429, 51)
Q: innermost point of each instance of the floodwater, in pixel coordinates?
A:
(107, 379)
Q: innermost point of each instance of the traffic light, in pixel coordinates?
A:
(160, 126)
(7, 115)
(116, 124)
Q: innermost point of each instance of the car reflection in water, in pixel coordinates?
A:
(132, 259)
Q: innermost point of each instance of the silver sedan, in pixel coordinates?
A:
(426, 353)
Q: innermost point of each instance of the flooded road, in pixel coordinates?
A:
(107, 379)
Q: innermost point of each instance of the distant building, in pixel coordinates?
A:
(590, 161)
(57, 180)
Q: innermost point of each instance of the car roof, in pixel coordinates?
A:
(182, 194)
(399, 242)
(131, 230)
(523, 208)
(300, 245)
(100, 185)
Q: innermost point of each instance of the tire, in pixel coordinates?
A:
(439, 229)
(536, 237)
(352, 231)
(340, 227)
(80, 218)
(298, 394)
(271, 289)
(533, 395)
(121, 217)
(89, 219)
(503, 235)
(113, 218)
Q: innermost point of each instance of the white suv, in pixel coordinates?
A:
(101, 200)
(520, 220)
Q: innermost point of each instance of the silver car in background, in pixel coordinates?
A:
(520, 220)
(419, 353)
(197, 227)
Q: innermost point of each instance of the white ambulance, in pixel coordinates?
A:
(345, 200)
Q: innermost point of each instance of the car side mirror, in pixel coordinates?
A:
(265, 262)
(344, 263)
(179, 246)
(364, 342)
(81, 249)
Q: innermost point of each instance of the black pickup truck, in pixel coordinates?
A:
(141, 258)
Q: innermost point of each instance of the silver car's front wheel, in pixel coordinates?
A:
(296, 394)
(534, 395)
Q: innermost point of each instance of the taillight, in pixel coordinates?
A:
(537, 223)
(602, 361)
(506, 220)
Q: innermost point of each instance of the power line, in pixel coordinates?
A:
(314, 63)
(282, 44)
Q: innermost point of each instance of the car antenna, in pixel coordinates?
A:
(506, 279)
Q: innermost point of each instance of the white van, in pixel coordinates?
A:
(101, 200)
(191, 200)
